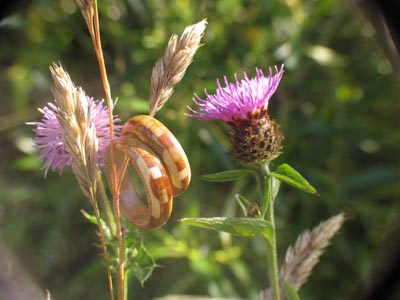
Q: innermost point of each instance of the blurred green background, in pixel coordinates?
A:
(339, 110)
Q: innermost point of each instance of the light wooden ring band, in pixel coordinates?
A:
(158, 160)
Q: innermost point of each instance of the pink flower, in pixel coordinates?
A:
(255, 137)
(49, 135)
(237, 100)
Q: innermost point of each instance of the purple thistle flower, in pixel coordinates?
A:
(237, 100)
(49, 135)
(255, 137)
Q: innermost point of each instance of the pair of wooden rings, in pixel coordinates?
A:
(160, 163)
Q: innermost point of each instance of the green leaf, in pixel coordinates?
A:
(243, 203)
(92, 219)
(224, 176)
(205, 266)
(275, 185)
(140, 262)
(236, 226)
(290, 292)
(290, 176)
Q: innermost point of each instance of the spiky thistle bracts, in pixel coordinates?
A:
(255, 137)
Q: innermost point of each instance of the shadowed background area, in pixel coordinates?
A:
(338, 106)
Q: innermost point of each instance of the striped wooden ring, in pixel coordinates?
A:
(159, 161)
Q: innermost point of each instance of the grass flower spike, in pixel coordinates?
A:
(255, 138)
(75, 131)
(59, 141)
(170, 68)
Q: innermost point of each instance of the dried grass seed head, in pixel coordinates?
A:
(79, 134)
(301, 258)
(171, 68)
(87, 8)
(74, 131)
(304, 255)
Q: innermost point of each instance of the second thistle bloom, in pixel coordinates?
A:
(74, 130)
(255, 137)
(49, 137)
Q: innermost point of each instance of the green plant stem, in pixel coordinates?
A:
(272, 258)
(102, 239)
(105, 205)
(126, 284)
(267, 213)
(264, 191)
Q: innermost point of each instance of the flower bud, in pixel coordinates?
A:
(256, 139)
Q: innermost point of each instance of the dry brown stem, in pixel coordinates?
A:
(90, 14)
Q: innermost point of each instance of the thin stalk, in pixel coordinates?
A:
(126, 285)
(99, 53)
(267, 213)
(92, 21)
(103, 240)
(105, 205)
(272, 259)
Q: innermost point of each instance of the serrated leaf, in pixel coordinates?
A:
(140, 262)
(290, 176)
(230, 175)
(236, 226)
(290, 292)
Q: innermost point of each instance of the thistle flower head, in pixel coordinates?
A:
(255, 138)
(74, 131)
(237, 100)
(49, 135)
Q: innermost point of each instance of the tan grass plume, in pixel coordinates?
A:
(301, 258)
(170, 68)
(87, 9)
(79, 135)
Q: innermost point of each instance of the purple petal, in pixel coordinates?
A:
(236, 100)
(49, 136)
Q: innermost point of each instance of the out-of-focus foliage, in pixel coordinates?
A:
(338, 106)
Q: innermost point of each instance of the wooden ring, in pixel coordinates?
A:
(158, 160)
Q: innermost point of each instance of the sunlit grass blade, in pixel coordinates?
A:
(230, 175)
(236, 226)
(290, 176)
(290, 292)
